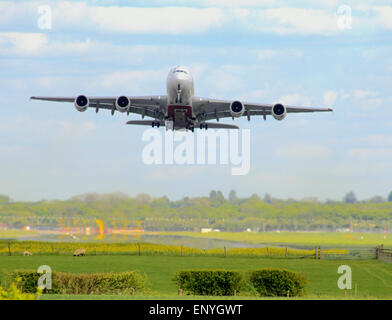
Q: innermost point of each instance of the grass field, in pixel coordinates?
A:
(12, 234)
(373, 278)
(338, 239)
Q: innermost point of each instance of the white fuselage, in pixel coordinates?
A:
(179, 87)
(180, 91)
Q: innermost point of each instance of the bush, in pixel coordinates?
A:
(277, 282)
(71, 283)
(209, 282)
(14, 293)
(27, 281)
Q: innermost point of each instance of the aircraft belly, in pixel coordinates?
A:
(180, 115)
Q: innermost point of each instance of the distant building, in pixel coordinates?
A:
(310, 199)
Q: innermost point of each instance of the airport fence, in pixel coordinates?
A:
(12, 248)
(384, 254)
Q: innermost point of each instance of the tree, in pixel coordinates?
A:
(267, 198)
(233, 196)
(212, 194)
(350, 198)
(390, 197)
(376, 199)
(220, 195)
(5, 199)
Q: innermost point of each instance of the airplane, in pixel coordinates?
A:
(179, 109)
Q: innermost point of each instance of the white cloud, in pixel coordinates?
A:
(56, 128)
(137, 80)
(384, 16)
(363, 94)
(22, 43)
(298, 20)
(75, 130)
(379, 140)
(225, 80)
(330, 97)
(294, 99)
(187, 17)
(167, 20)
(302, 151)
(265, 54)
(370, 153)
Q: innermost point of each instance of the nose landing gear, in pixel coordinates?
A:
(179, 91)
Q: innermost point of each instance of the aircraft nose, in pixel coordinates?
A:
(182, 81)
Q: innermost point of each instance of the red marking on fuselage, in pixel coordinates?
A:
(172, 108)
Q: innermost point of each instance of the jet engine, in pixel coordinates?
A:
(123, 103)
(237, 109)
(81, 103)
(279, 111)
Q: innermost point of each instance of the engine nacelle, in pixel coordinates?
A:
(279, 111)
(123, 104)
(237, 109)
(81, 103)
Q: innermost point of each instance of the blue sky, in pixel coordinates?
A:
(256, 51)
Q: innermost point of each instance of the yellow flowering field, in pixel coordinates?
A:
(135, 248)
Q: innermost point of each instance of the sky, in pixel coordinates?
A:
(325, 53)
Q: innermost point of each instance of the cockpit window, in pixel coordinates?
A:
(178, 70)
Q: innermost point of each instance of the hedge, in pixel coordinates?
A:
(277, 282)
(209, 282)
(72, 283)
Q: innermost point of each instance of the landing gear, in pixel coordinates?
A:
(204, 126)
(155, 124)
(179, 91)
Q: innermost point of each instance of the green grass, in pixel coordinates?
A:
(374, 278)
(338, 239)
(12, 234)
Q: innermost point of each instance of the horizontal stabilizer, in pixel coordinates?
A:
(214, 125)
(145, 122)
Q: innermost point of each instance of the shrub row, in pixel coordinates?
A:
(266, 282)
(209, 282)
(277, 282)
(72, 283)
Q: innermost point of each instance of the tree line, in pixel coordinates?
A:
(233, 213)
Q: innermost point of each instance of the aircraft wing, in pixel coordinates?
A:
(151, 106)
(207, 109)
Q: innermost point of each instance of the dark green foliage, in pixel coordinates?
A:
(277, 282)
(209, 282)
(27, 280)
(72, 283)
(350, 197)
(191, 214)
(5, 199)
